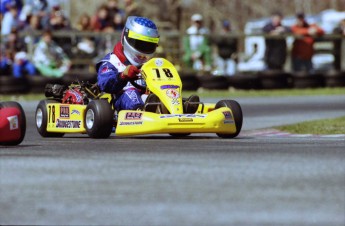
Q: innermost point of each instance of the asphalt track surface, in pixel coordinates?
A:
(198, 180)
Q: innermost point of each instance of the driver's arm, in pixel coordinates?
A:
(109, 78)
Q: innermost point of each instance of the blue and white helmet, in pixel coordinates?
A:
(139, 39)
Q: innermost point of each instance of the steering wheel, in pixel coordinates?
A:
(136, 85)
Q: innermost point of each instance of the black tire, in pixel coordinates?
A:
(274, 79)
(22, 122)
(81, 75)
(245, 81)
(190, 81)
(41, 119)
(9, 85)
(307, 80)
(37, 83)
(214, 82)
(237, 113)
(99, 118)
(334, 79)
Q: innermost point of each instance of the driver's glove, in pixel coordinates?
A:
(130, 73)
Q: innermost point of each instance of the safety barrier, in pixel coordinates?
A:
(170, 48)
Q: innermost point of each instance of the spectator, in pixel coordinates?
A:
(226, 49)
(33, 25)
(132, 8)
(117, 23)
(303, 46)
(49, 58)
(196, 45)
(14, 43)
(276, 48)
(100, 21)
(85, 44)
(113, 9)
(6, 4)
(10, 20)
(6, 57)
(34, 7)
(57, 20)
(22, 65)
(339, 46)
(84, 23)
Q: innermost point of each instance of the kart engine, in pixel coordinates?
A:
(76, 93)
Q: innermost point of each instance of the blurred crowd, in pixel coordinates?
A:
(198, 44)
(202, 51)
(49, 58)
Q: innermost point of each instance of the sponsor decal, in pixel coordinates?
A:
(130, 123)
(64, 111)
(169, 87)
(175, 102)
(185, 119)
(105, 70)
(228, 117)
(77, 95)
(132, 95)
(184, 116)
(76, 112)
(229, 121)
(13, 120)
(68, 123)
(172, 93)
(227, 114)
(159, 62)
(133, 116)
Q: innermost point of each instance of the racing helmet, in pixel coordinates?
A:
(139, 39)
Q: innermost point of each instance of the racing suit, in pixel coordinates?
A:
(109, 69)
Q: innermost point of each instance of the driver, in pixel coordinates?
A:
(138, 44)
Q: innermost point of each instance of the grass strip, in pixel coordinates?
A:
(322, 127)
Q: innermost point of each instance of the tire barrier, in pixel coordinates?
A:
(38, 83)
(72, 76)
(245, 81)
(192, 82)
(307, 80)
(11, 85)
(218, 82)
(274, 79)
(334, 79)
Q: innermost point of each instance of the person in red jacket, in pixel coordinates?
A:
(303, 46)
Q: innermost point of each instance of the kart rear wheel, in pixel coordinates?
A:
(237, 114)
(41, 118)
(21, 121)
(99, 119)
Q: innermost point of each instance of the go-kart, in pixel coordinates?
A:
(12, 123)
(82, 108)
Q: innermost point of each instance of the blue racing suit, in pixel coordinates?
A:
(108, 79)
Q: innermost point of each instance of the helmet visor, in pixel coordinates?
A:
(142, 46)
(141, 43)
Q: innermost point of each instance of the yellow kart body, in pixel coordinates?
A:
(162, 79)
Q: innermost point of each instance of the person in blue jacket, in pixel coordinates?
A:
(138, 44)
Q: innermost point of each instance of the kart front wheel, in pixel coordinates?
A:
(99, 119)
(41, 118)
(237, 114)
